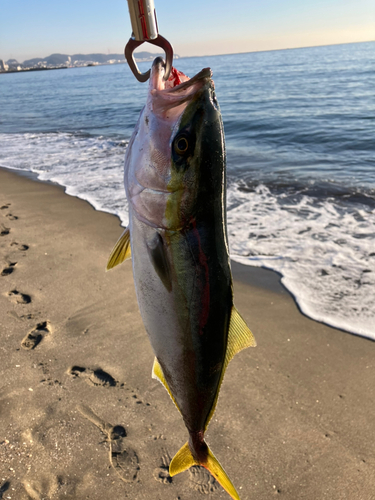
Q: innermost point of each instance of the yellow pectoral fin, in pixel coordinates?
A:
(239, 337)
(121, 251)
(157, 373)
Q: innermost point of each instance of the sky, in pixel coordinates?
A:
(39, 28)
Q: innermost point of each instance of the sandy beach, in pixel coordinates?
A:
(80, 416)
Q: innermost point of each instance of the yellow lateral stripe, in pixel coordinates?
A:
(239, 337)
(157, 373)
(182, 461)
(121, 251)
(215, 468)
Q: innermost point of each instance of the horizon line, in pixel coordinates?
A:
(276, 50)
(225, 54)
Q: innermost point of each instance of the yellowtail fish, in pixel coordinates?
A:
(175, 182)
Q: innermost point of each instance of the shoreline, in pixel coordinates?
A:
(30, 175)
(251, 275)
(81, 416)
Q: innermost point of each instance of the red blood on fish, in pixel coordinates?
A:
(175, 78)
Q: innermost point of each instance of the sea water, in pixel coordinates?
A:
(300, 137)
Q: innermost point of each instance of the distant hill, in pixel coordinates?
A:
(59, 59)
(62, 61)
(53, 59)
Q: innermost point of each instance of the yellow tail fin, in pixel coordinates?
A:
(184, 459)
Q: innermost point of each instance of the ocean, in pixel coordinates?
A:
(300, 137)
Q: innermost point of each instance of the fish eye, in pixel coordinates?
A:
(181, 145)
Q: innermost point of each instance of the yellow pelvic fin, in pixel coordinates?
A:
(157, 373)
(184, 459)
(239, 337)
(121, 251)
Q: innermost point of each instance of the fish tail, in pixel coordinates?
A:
(184, 459)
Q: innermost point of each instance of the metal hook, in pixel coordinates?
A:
(159, 41)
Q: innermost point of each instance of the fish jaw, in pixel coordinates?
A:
(148, 163)
(168, 100)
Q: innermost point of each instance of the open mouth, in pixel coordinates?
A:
(178, 89)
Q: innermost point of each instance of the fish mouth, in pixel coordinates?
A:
(178, 89)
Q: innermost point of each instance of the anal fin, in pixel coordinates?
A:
(157, 373)
(121, 251)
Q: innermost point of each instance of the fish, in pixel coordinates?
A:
(175, 183)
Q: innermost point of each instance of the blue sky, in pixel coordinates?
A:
(39, 28)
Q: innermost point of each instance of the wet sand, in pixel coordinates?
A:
(80, 416)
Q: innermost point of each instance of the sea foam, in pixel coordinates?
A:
(323, 246)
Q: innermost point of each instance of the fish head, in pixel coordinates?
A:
(176, 157)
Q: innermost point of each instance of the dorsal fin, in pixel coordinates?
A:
(239, 337)
(121, 251)
(157, 373)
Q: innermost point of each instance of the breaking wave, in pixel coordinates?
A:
(319, 237)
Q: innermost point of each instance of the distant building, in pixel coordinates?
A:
(3, 66)
(13, 65)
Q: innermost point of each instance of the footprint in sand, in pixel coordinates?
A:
(33, 338)
(123, 459)
(5, 207)
(48, 485)
(4, 488)
(19, 298)
(97, 377)
(11, 217)
(202, 481)
(161, 474)
(20, 247)
(9, 269)
(4, 231)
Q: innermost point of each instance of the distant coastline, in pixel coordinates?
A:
(13, 65)
(23, 70)
(64, 61)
